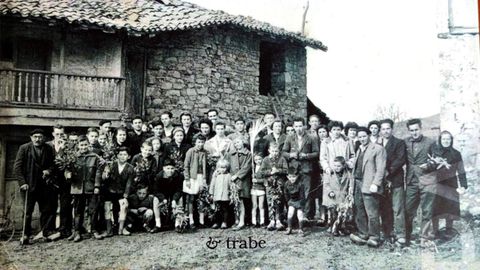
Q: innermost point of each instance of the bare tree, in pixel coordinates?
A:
(392, 111)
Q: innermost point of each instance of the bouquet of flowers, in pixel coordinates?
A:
(234, 195)
(163, 209)
(142, 167)
(178, 159)
(204, 204)
(255, 129)
(439, 162)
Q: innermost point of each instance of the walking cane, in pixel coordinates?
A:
(23, 240)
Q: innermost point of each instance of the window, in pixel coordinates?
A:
(272, 69)
(6, 50)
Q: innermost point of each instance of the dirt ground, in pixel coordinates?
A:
(170, 250)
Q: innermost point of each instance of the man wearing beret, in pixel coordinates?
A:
(33, 170)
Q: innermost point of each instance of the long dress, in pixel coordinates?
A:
(447, 202)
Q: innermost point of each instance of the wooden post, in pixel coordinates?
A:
(3, 156)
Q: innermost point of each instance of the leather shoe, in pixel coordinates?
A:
(357, 239)
(373, 242)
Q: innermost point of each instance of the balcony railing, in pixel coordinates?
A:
(35, 87)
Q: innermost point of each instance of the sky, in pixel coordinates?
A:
(379, 52)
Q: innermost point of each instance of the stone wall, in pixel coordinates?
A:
(219, 68)
(458, 66)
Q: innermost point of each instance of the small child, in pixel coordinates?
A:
(102, 139)
(258, 192)
(295, 195)
(145, 165)
(143, 209)
(337, 191)
(219, 191)
(195, 172)
(274, 169)
(240, 160)
(117, 185)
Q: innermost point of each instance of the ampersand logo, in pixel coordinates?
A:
(212, 243)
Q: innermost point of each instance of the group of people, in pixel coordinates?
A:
(154, 176)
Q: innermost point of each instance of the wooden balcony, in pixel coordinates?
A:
(44, 94)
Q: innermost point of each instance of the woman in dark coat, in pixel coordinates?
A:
(450, 171)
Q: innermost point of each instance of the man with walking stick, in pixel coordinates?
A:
(33, 169)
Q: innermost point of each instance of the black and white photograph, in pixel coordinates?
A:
(253, 134)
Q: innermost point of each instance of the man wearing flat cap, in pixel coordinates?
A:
(33, 169)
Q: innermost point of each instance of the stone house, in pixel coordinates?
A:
(458, 64)
(77, 62)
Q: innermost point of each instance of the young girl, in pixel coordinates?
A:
(240, 160)
(295, 195)
(337, 191)
(177, 149)
(258, 192)
(219, 191)
(157, 152)
(274, 169)
(195, 172)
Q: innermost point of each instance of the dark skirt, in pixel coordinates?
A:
(447, 200)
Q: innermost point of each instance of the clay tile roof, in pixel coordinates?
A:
(142, 16)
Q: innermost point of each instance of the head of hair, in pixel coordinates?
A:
(350, 125)
(167, 113)
(212, 110)
(299, 119)
(147, 143)
(414, 121)
(260, 154)
(92, 129)
(219, 123)
(289, 124)
(185, 114)
(82, 138)
(373, 122)
(124, 129)
(223, 163)
(269, 113)
(137, 117)
(157, 123)
(387, 121)
(313, 116)
(276, 121)
(274, 145)
(364, 129)
(322, 126)
(240, 119)
(340, 159)
(57, 126)
(102, 122)
(292, 170)
(168, 162)
(198, 137)
(142, 186)
(73, 133)
(333, 124)
(205, 121)
(123, 149)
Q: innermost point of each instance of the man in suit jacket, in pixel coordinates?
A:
(421, 183)
(369, 173)
(33, 169)
(393, 201)
(301, 150)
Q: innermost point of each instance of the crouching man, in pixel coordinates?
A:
(144, 211)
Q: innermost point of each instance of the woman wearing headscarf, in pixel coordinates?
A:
(450, 172)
